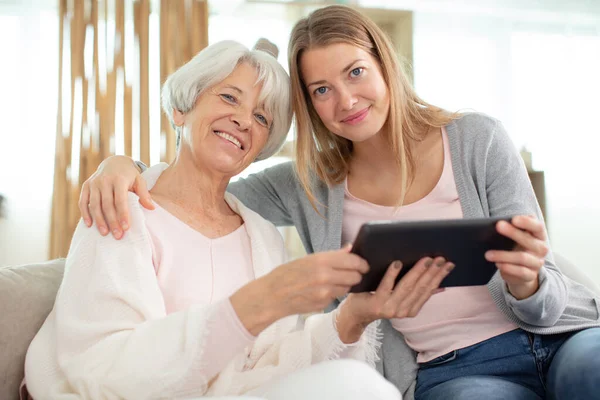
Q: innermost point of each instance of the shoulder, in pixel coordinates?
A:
(254, 221)
(137, 230)
(474, 125)
(285, 170)
(477, 133)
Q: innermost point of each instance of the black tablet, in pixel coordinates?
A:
(461, 241)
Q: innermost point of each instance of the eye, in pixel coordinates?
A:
(261, 119)
(228, 98)
(357, 72)
(320, 91)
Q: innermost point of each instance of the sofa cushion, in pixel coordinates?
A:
(27, 295)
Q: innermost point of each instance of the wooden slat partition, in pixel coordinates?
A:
(93, 101)
(184, 32)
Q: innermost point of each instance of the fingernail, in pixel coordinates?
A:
(488, 255)
(450, 266)
(124, 225)
(441, 263)
(116, 233)
(87, 222)
(397, 264)
(428, 263)
(103, 230)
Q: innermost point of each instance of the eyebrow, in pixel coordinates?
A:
(237, 89)
(345, 69)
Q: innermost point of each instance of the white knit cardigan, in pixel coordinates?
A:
(109, 336)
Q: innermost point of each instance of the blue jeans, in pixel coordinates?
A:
(517, 365)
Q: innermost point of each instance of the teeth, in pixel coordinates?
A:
(227, 136)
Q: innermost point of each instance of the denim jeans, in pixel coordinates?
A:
(517, 365)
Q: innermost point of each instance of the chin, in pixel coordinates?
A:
(225, 165)
(360, 136)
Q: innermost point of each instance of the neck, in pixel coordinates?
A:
(374, 154)
(191, 185)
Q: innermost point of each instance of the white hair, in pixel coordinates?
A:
(215, 63)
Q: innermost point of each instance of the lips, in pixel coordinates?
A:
(356, 117)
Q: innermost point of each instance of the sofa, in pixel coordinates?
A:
(27, 294)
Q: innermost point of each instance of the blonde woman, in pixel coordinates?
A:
(370, 149)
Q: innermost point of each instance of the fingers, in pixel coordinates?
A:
(122, 209)
(411, 295)
(410, 279)
(521, 258)
(84, 199)
(532, 225)
(342, 259)
(431, 287)
(516, 274)
(95, 208)
(139, 187)
(108, 208)
(386, 286)
(338, 277)
(524, 238)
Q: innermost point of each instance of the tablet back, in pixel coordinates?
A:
(461, 241)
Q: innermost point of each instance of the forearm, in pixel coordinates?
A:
(256, 307)
(546, 305)
(328, 344)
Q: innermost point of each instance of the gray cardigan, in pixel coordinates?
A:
(491, 180)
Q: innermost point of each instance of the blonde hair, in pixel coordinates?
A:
(325, 154)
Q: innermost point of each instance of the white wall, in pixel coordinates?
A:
(28, 87)
(542, 80)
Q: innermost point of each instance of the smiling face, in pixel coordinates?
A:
(347, 90)
(227, 128)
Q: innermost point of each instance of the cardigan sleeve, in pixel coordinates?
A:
(509, 192)
(113, 336)
(267, 193)
(290, 345)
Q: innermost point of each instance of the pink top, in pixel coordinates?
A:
(455, 318)
(193, 269)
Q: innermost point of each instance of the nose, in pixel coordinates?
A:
(242, 118)
(347, 99)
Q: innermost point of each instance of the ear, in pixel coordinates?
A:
(178, 118)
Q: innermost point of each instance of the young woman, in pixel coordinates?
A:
(369, 148)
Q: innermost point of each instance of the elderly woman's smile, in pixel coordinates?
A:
(230, 138)
(229, 125)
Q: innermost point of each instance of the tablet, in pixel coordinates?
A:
(461, 241)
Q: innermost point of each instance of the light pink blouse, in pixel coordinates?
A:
(455, 318)
(193, 269)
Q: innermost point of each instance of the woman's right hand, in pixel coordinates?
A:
(306, 285)
(104, 195)
(392, 299)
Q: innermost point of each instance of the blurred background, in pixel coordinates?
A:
(80, 80)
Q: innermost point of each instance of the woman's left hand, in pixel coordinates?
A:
(520, 267)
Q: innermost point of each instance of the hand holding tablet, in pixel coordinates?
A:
(462, 242)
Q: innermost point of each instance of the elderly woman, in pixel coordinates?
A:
(189, 302)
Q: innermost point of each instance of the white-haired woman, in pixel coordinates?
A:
(189, 302)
